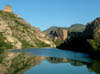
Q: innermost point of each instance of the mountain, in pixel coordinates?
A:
(76, 28)
(16, 33)
(57, 33)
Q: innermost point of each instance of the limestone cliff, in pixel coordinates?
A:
(63, 34)
(20, 34)
(57, 33)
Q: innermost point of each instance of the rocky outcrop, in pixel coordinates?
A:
(86, 41)
(63, 34)
(20, 34)
(93, 28)
(57, 33)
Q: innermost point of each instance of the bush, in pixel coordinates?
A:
(95, 43)
(4, 45)
(41, 44)
(58, 42)
(25, 44)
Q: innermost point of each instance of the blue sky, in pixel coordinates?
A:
(47, 13)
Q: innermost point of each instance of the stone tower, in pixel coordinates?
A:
(8, 8)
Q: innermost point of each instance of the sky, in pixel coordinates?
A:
(62, 13)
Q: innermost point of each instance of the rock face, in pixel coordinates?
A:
(8, 8)
(86, 41)
(57, 33)
(93, 28)
(63, 34)
(20, 34)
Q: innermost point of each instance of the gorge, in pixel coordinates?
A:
(25, 49)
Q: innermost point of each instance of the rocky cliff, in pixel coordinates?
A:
(63, 33)
(18, 33)
(92, 34)
(86, 41)
(93, 28)
(57, 33)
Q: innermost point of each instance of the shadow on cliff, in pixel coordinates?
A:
(79, 44)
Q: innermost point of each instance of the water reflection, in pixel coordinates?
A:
(22, 63)
(17, 63)
(56, 60)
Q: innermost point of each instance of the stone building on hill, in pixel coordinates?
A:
(7, 8)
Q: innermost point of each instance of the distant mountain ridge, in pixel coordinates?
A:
(72, 28)
(76, 28)
(55, 31)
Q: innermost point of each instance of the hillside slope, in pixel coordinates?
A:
(16, 33)
(76, 28)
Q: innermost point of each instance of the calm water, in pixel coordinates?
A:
(47, 61)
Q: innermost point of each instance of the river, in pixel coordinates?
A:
(47, 61)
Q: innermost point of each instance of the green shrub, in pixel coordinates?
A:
(95, 43)
(4, 45)
(25, 44)
(41, 44)
(58, 42)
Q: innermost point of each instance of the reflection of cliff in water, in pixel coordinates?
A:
(19, 63)
(94, 66)
(76, 63)
(64, 60)
(56, 60)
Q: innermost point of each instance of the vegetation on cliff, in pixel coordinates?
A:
(16, 33)
(4, 45)
(86, 41)
(60, 34)
(76, 28)
(95, 43)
